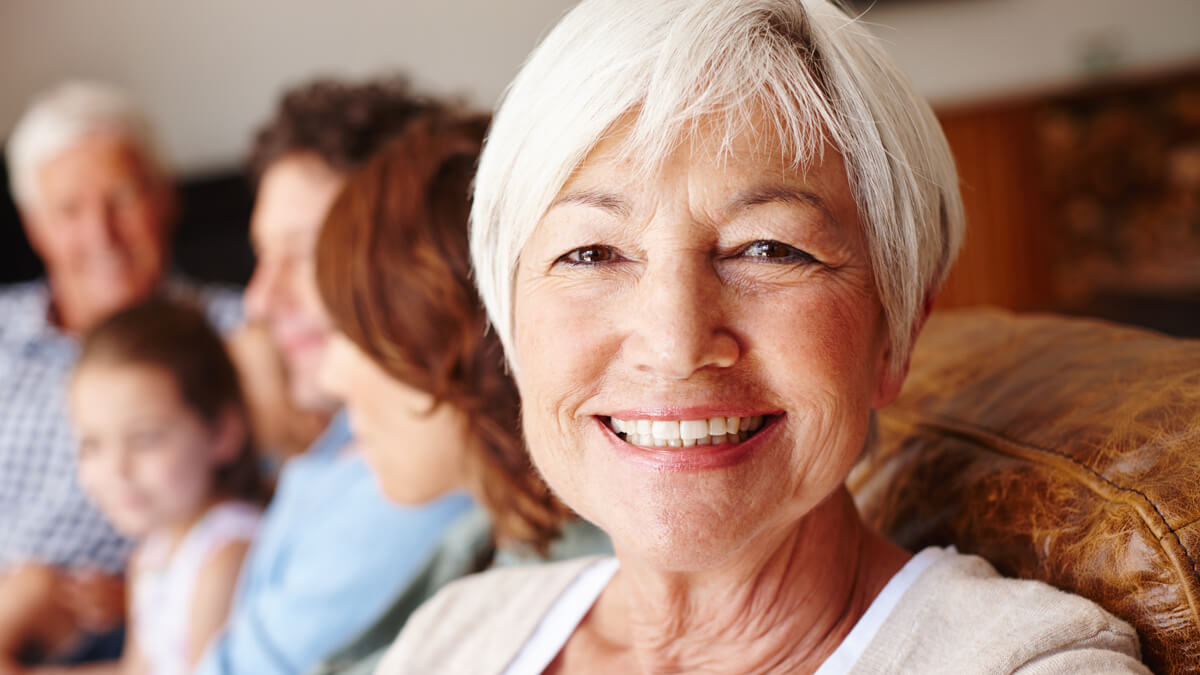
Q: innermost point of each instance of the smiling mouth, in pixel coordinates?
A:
(687, 433)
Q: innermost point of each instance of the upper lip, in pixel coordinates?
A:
(691, 412)
(293, 339)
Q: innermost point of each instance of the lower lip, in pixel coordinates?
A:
(694, 458)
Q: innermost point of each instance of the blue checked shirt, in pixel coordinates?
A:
(44, 514)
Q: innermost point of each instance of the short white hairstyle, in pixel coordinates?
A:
(65, 115)
(819, 76)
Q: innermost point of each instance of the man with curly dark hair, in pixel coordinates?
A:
(332, 551)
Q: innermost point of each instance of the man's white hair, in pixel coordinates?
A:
(819, 77)
(65, 115)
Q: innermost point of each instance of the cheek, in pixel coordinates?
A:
(563, 346)
(143, 230)
(92, 477)
(831, 336)
(179, 471)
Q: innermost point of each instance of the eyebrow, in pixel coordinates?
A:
(779, 194)
(605, 201)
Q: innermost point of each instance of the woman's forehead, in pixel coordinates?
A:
(743, 169)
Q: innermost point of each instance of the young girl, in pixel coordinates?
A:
(166, 454)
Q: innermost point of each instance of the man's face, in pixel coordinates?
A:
(293, 197)
(99, 222)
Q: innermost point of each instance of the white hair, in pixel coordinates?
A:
(65, 115)
(818, 75)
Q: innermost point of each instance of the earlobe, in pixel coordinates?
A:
(890, 378)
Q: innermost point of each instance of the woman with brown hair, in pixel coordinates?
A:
(424, 382)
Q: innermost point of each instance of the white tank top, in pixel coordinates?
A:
(164, 583)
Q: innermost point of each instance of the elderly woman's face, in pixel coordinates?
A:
(652, 316)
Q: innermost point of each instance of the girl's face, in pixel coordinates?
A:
(146, 459)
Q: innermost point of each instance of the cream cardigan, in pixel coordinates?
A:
(959, 616)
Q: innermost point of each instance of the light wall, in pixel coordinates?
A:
(210, 70)
(961, 50)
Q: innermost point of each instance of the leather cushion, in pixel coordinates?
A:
(1059, 449)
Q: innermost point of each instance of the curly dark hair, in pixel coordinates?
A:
(342, 123)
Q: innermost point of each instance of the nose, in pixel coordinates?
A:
(261, 290)
(100, 219)
(679, 326)
(120, 461)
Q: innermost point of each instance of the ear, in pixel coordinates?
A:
(33, 232)
(167, 202)
(229, 435)
(890, 378)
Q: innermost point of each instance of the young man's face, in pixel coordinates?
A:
(293, 197)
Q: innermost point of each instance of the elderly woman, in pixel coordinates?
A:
(707, 232)
(433, 409)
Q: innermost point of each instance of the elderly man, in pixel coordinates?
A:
(332, 552)
(96, 203)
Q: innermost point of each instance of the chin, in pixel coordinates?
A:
(677, 531)
(307, 397)
(676, 547)
(132, 525)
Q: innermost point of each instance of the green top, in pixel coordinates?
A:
(465, 549)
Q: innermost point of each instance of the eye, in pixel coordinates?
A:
(592, 254)
(88, 447)
(770, 250)
(147, 439)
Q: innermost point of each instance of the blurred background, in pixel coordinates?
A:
(1075, 123)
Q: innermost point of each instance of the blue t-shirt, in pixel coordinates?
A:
(331, 553)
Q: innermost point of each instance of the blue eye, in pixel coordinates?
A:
(776, 251)
(592, 254)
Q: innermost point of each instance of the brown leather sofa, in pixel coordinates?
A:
(1059, 449)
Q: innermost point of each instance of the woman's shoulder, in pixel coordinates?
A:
(961, 611)
(481, 620)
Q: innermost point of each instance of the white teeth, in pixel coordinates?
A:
(687, 433)
(693, 429)
(665, 429)
(716, 426)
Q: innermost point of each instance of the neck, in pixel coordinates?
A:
(73, 313)
(176, 531)
(785, 608)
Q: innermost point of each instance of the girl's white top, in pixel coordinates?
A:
(164, 582)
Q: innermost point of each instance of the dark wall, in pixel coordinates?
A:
(211, 236)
